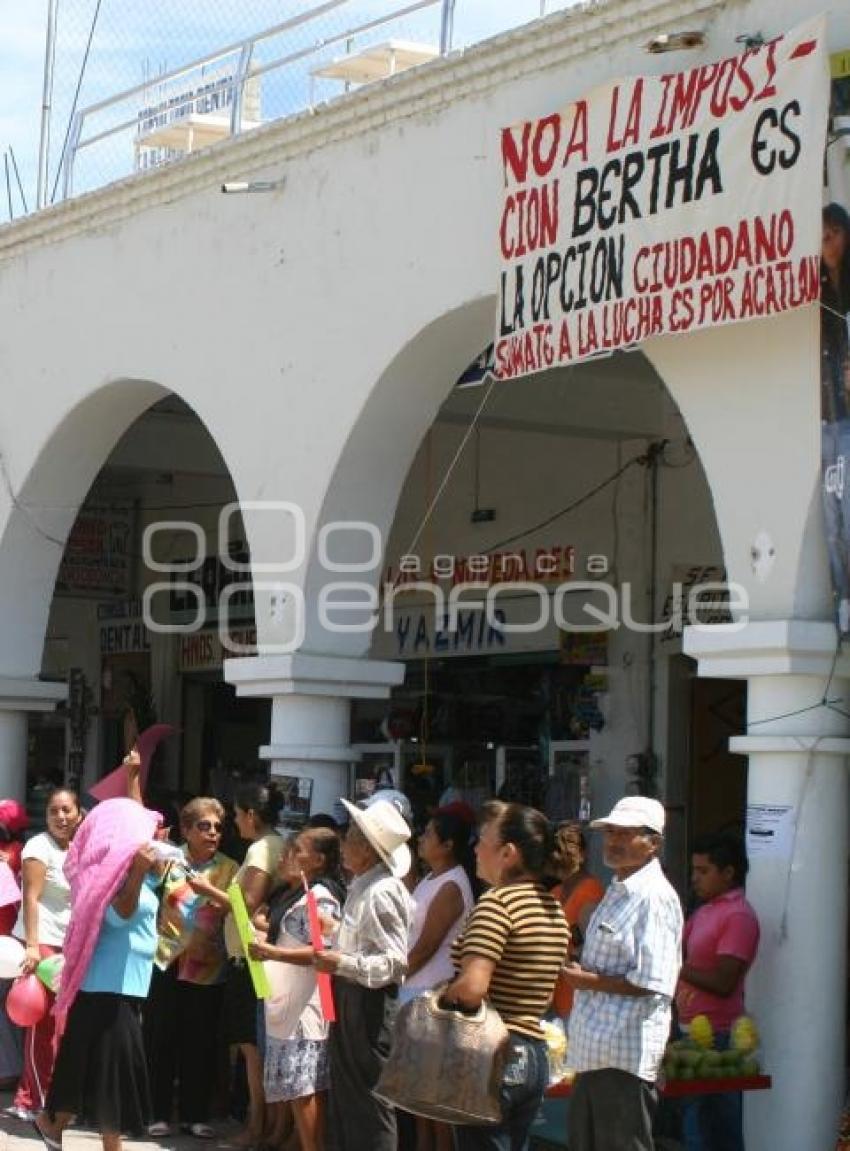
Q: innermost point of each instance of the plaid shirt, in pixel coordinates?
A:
(635, 933)
(375, 929)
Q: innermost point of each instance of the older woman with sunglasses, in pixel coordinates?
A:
(183, 1010)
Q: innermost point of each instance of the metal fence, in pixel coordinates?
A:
(232, 83)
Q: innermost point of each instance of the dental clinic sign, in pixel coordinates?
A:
(664, 204)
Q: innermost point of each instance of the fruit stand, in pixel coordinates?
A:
(679, 1088)
(694, 1064)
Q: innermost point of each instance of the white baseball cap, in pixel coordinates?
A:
(634, 811)
(392, 795)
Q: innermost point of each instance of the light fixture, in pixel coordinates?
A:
(676, 41)
(232, 187)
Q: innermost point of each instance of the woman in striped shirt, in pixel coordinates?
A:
(511, 951)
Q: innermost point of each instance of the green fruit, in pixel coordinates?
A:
(749, 1067)
(686, 1072)
(712, 1059)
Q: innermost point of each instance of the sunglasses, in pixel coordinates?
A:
(209, 825)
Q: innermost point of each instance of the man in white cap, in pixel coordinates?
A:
(624, 986)
(369, 964)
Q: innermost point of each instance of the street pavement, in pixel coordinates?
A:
(17, 1136)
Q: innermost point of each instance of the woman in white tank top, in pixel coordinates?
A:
(443, 899)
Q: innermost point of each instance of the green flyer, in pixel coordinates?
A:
(246, 937)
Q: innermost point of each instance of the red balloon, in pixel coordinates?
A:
(27, 1003)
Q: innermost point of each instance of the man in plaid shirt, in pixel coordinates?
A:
(624, 986)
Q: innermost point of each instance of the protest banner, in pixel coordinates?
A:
(658, 205)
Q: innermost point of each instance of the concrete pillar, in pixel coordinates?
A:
(19, 697)
(311, 700)
(797, 748)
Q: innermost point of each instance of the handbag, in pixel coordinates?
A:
(444, 1064)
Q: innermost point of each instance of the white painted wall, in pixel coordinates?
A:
(296, 324)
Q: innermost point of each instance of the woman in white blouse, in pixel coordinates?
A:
(442, 901)
(41, 926)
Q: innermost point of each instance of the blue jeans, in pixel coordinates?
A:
(714, 1122)
(524, 1081)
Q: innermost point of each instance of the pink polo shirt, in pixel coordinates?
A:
(726, 925)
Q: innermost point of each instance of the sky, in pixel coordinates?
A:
(137, 39)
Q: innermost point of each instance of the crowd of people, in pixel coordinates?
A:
(156, 1019)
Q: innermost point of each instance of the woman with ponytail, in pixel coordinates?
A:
(257, 807)
(513, 946)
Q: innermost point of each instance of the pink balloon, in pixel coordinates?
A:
(26, 1003)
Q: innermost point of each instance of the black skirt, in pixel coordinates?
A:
(240, 1005)
(100, 1074)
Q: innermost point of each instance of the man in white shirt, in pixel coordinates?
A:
(369, 964)
(624, 986)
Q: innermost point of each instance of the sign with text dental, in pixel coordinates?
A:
(664, 204)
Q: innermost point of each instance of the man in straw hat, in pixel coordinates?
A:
(624, 986)
(369, 965)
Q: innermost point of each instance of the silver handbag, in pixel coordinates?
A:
(444, 1064)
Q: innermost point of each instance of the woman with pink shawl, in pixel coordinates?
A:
(100, 1075)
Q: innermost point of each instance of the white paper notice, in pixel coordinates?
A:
(770, 830)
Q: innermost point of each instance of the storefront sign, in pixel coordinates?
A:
(124, 638)
(416, 636)
(215, 580)
(584, 649)
(97, 554)
(203, 650)
(663, 204)
(553, 563)
(121, 628)
(698, 594)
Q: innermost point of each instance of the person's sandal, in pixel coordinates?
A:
(159, 1129)
(50, 1144)
(199, 1130)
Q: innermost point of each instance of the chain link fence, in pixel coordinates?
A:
(193, 72)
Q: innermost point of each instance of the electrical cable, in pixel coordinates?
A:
(790, 714)
(571, 507)
(23, 509)
(442, 486)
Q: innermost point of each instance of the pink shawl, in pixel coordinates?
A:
(96, 866)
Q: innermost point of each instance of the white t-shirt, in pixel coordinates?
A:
(264, 854)
(54, 905)
(439, 967)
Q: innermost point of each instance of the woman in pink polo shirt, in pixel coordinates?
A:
(720, 943)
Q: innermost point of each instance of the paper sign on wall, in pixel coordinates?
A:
(770, 830)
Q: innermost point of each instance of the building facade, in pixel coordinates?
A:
(270, 391)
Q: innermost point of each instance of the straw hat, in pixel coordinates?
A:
(386, 831)
(634, 811)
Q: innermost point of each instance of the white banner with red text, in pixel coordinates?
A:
(663, 204)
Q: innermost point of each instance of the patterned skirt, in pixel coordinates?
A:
(294, 1068)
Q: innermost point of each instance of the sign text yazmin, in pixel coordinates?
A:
(662, 204)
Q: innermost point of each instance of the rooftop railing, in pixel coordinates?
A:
(308, 59)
